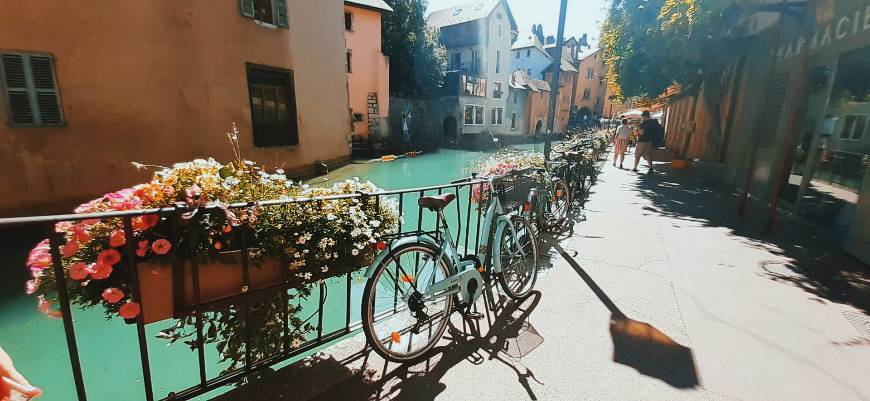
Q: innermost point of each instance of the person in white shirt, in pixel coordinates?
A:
(620, 142)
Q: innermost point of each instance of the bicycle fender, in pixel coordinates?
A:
(395, 244)
(496, 246)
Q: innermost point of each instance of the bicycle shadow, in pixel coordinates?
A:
(509, 338)
(641, 345)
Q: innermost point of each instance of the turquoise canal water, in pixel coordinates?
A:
(109, 349)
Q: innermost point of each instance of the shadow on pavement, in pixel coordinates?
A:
(510, 336)
(823, 270)
(640, 345)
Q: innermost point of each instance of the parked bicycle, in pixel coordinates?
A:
(419, 279)
(550, 199)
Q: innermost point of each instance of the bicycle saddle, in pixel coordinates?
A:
(435, 202)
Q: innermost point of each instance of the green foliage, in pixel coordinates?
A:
(417, 61)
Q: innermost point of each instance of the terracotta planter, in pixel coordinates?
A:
(217, 280)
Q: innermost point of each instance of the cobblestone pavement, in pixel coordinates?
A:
(656, 292)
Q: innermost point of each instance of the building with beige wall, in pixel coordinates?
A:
(90, 86)
(528, 105)
(368, 70)
(567, 82)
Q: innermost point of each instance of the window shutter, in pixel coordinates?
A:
(20, 110)
(46, 91)
(246, 7)
(281, 11)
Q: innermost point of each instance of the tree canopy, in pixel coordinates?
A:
(417, 61)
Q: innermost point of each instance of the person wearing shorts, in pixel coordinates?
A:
(620, 142)
(644, 142)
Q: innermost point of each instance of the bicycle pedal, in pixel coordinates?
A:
(474, 315)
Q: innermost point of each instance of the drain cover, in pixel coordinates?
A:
(860, 321)
(779, 268)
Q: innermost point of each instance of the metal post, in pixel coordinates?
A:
(554, 85)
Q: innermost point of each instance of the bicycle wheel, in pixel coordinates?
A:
(398, 323)
(517, 253)
(559, 204)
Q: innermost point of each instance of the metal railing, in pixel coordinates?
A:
(464, 214)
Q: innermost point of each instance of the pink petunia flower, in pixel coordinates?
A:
(100, 271)
(32, 286)
(70, 248)
(130, 310)
(161, 246)
(143, 248)
(78, 271)
(40, 257)
(117, 238)
(113, 295)
(145, 222)
(109, 257)
(81, 234)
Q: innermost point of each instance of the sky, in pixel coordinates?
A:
(583, 16)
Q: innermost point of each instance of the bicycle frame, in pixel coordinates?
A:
(462, 272)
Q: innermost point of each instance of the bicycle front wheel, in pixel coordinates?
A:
(560, 205)
(399, 324)
(517, 253)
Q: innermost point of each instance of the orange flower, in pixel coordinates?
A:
(145, 222)
(161, 246)
(113, 295)
(78, 271)
(109, 257)
(117, 238)
(218, 245)
(228, 228)
(130, 310)
(100, 271)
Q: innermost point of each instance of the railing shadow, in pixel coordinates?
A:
(641, 345)
(510, 336)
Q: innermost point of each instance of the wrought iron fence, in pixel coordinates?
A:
(464, 214)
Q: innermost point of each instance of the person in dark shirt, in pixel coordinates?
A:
(645, 141)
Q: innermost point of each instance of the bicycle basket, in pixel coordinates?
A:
(513, 190)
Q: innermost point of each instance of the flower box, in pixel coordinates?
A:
(161, 299)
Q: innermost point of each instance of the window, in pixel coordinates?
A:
(590, 73)
(473, 115)
(518, 54)
(498, 15)
(587, 93)
(455, 61)
(513, 121)
(853, 128)
(475, 61)
(499, 31)
(516, 95)
(496, 90)
(496, 116)
(528, 53)
(497, 61)
(500, 120)
(273, 106)
(349, 60)
(348, 21)
(31, 94)
(273, 12)
(473, 86)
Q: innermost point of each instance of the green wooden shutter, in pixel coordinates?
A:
(246, 7)
(281, 11)
(17, 93)
(48, 104)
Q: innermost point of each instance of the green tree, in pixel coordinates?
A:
(653, 44)
(417, 61)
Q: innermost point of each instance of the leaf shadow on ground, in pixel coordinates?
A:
(640, 345)
(824, 270)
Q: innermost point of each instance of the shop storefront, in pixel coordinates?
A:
(823, 147)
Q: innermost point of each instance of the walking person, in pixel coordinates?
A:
(620, 142)
(649, 131)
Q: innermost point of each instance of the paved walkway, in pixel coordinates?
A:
(658, 293)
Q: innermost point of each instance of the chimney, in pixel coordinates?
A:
(550, 39)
